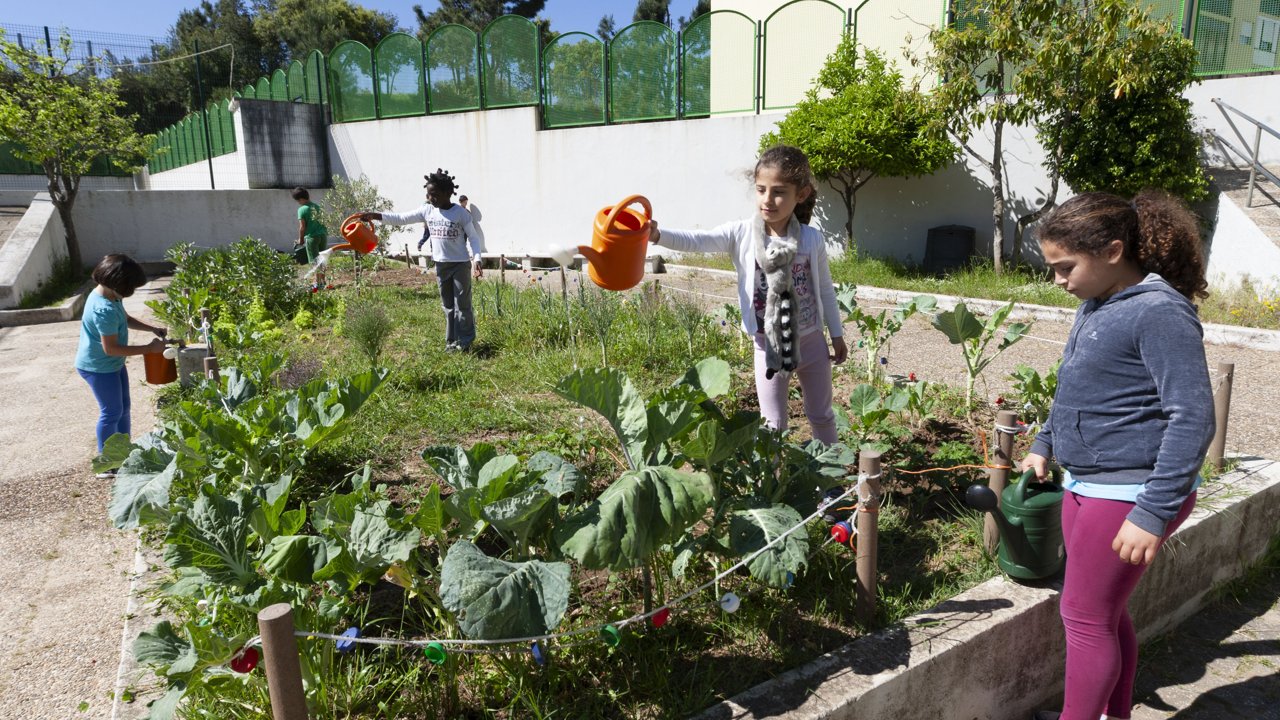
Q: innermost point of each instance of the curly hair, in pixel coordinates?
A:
(442, 179)
(1159, 233)
(793, 165)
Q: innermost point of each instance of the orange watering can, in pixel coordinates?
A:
(160, 369)
(359, 236)
(618, 245)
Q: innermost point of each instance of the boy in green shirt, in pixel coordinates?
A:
(311, 234)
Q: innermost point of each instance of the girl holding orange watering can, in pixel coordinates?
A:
(455, 248)
(784, 288)
(104, 341)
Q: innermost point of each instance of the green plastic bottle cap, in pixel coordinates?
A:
(435, 653)
(610, 635)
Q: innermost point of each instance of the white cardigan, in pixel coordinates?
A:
(734, 238)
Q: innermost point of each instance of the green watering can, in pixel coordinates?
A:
(1029, 517)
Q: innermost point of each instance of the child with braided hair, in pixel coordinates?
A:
(455, 248)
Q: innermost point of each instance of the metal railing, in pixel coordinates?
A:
(1255, 168)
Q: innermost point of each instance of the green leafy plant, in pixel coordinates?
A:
(869, 418)
(877, 330)
(965, 329)
(1035, 390)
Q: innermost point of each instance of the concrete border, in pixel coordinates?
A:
(1215, 334)
(996, 651)
(69, 310)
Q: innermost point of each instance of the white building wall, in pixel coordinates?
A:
(144, 224)
(1257, 96)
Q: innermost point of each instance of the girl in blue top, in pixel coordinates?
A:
(1130, 424)
(104, 341)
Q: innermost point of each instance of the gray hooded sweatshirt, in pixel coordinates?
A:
(1133, 404)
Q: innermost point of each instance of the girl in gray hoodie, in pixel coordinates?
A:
(1130, 424)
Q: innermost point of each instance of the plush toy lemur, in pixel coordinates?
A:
(782, 351)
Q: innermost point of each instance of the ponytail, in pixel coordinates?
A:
(1168, 242)
(1159, 233)
(804, 209)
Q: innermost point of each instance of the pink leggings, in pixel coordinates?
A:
(814, 373)
(1102, 648)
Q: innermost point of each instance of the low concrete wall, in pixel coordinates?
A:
(996, 652)
(145, 224)
(27, 257)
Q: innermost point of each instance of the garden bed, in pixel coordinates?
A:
(536, 351)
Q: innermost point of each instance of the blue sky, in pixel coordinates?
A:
(154, 18)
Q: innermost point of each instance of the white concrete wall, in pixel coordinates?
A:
(1240, 249)
(539, 188)
(31, 184)
(144, 224)
(28, 255)
(1257, 96)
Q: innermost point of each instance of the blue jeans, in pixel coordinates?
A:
(111, 390)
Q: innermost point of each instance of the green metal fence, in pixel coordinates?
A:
(453, 69)
(574, 77)
(351, 89)
(297, 85)
(313, 77)
(1237, 37)
(643, 68)
(728, 84)
(648, 72)
(398, 62)
(798, 37)
(509, 50)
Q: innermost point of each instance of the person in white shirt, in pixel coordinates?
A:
(455, 248)
(476, 217)
(784, 288)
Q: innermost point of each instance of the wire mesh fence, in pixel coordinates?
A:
(1237, 37)
(646, 72)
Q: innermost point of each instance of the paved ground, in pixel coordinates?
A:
(64, 582)
(66, 576)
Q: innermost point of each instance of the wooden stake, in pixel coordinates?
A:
(868, 540)
(280, 658)
(1221, 409)
(998, 478)
(564, 285)
(502, 268)
(211, 368)
(408, 262)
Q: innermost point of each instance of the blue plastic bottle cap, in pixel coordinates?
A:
(730, 602)
(539, 656)
(791, 579)
(346, 646)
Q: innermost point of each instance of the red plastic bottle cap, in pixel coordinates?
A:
(661, 617)
(841, 532)
(246, 662)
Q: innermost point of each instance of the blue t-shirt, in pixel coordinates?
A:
(101, 317)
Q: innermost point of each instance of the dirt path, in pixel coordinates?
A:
(1254, 428)
(64, 582)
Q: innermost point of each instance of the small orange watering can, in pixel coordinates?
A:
(359, 236)
(618, 245)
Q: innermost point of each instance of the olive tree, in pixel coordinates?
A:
(63, 117)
